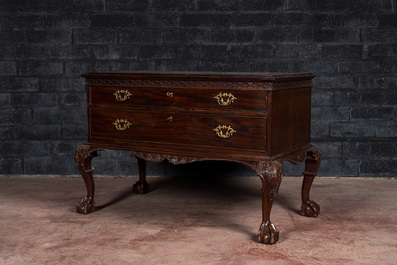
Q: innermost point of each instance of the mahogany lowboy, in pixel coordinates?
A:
(257, 119)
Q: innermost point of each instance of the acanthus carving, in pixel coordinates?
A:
(270, 173)
(175, 160)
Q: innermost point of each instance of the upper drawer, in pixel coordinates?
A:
(241, 99)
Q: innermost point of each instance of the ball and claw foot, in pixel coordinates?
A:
(140, 188)
(310, 209)
(85, 206)
(268, 233)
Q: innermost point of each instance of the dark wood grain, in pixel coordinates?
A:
(202, 98)
(257, 119)
(289, 121)
(179, 128)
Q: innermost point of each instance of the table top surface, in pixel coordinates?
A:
(216, 76)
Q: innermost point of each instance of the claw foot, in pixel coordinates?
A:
(310, 209)
(268, 233)
(85, 206)
(140, 188)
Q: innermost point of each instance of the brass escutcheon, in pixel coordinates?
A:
(122, 95)
(225, 99)
(122, 124)
(224, 131)
(170, 94)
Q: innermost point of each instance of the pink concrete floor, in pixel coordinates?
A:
(195, 221)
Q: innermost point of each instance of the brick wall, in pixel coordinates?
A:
(351, 47)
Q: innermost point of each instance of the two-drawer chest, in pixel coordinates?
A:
(257, 119)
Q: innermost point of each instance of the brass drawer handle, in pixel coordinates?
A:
(170, 94)
(122, 124)
(224, 131)
(225, 99)
(122, 95)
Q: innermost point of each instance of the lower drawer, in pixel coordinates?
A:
(247, 133)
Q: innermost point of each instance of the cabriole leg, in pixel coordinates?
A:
(270, 174)
(141, 186)
(83, 157)
(313, 160)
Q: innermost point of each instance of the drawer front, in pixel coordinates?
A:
(247, 133)
(238, 99)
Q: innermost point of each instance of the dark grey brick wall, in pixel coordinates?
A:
(351, 47)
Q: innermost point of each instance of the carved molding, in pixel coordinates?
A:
(194, 84)
(170, 83)
(298, 83)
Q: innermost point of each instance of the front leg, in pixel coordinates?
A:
(312, 163)
(141, 186)
(83, 157)
(270, 174)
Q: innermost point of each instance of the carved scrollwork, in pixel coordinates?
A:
(175, 160)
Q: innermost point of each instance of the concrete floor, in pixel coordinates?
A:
(186, 220)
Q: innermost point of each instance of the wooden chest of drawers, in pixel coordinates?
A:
(260, 120)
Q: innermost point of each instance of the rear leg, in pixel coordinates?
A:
(312, 163)
(141, 186)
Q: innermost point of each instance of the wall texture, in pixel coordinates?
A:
(351, 47)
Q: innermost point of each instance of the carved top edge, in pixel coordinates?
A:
(195, 84)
